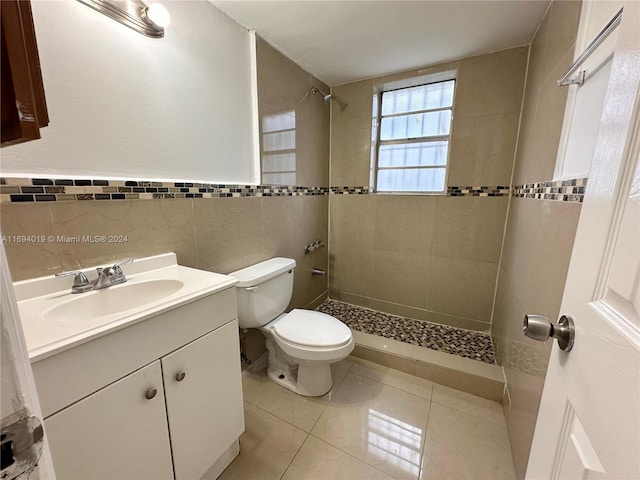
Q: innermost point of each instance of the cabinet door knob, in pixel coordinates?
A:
(149, 394)
(180, 376)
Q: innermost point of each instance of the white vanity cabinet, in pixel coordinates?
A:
(160, 399)
(203, 391)
(115, 433)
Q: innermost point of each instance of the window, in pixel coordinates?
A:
(279, 148)
(411, 145)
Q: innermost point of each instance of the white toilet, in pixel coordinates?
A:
(302, 344)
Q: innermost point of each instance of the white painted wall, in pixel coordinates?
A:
(122, 105)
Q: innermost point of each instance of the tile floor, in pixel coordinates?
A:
(376, 423)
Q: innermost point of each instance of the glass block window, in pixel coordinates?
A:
(411, 145)
(279, 148)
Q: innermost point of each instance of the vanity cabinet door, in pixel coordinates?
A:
(203, 391)
(119, 432)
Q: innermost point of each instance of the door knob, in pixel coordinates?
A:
(540, 328)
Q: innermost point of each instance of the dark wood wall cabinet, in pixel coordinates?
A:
(24, 110)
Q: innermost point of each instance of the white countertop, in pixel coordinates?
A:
(46, 337)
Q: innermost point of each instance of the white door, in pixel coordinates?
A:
(20, 413)
(588, 424)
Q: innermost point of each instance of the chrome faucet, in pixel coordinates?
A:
(110, 276)
(106, 278)
(81, 283)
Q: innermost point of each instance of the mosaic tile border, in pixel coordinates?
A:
(443, 338)
(561, 190)
(479, 191)
(452, 191)
(16, 190)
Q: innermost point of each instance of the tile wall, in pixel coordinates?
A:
(540, 231)
(424, 256)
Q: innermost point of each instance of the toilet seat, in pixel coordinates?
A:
(310, 329)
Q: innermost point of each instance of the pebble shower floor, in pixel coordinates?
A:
(455, 341)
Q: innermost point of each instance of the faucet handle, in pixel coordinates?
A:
(116, 266)
(80, 282)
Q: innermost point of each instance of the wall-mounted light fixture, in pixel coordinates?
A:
(148, 20)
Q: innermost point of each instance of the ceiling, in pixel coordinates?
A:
(344, 41)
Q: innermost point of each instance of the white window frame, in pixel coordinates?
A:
(379, 90)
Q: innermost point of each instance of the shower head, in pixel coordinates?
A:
(326, 97)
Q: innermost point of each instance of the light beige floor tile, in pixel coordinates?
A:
(377, 424)
(319, 460)
(266, 447)
(462, 446)
(394, 378)
(338, 373)
(295, 409)
(467, 403)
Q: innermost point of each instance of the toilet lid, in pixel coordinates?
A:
(312, 329)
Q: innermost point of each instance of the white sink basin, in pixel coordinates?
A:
(108, 301)
(54, 319)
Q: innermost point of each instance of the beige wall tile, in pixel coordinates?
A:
(282, 86)
(462, 287)
(491, 84)
(557, 230)
(482, 149)
(456, 321)
(401, 277)
(281, 227)
(228, 233)
(150, 228)
(520, 241)
(351, 135)
(35, 259)
(402, 364)
(350, 270)
(470, 227)
(461, 380)
(539, 235)
(352, 221)
(508, 313)
(543, 113)
(405, 223)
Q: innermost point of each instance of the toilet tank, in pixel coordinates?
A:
(264, 291)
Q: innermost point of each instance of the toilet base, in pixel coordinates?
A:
(310, 379)
(313, 381)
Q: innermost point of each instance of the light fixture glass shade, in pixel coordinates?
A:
(158, 15)
(133, 14)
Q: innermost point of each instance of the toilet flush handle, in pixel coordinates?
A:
(251, 289)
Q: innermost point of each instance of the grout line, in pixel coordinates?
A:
(352, 456)
(295, 454)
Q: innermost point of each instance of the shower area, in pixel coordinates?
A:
(414, 270)
(422, 269)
